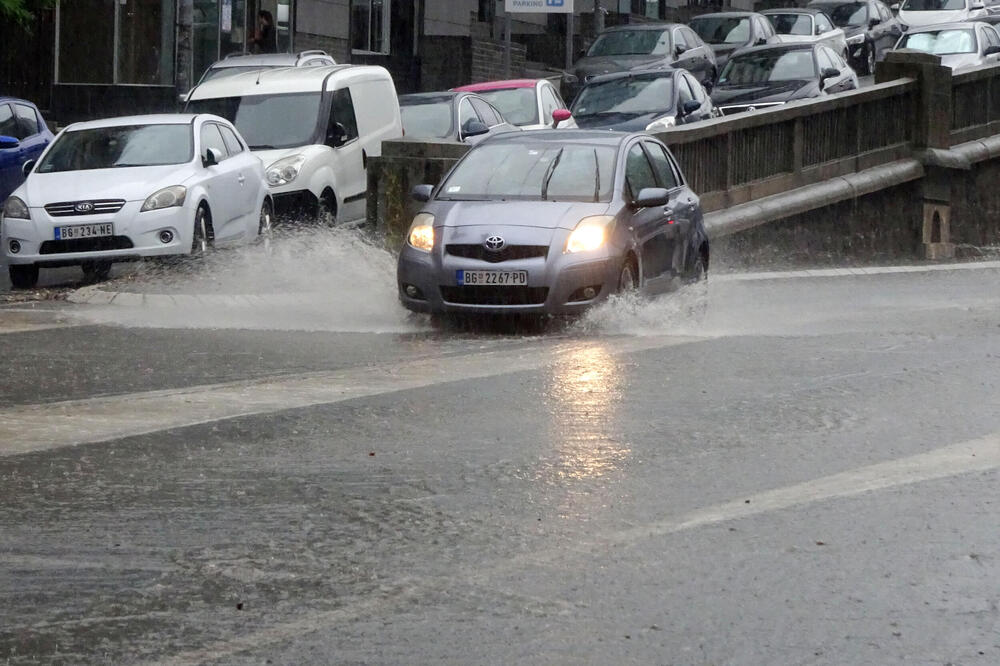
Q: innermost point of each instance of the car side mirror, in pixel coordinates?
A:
(991, 50)
(9, 142)
(336, 135)
(211, 157)
(680, 49)
(474, 127)
(828, 73)
(874, 22)
(690, 106)
(977, 5)
(761, 41)
(650, 197)
(894, 7)
(421, 193)
(27, 167)
(560, 116)
(581, 53)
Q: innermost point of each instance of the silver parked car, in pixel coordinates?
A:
(552, 222)
(961, 46)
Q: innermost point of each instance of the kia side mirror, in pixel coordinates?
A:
(9, 142)
(27, 167)
(560, 116)
(650, 197)
(474, 127)
(211, 157)
(422, 193)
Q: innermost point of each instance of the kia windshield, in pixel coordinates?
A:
(847, 15)
(940, 42)
(933, 5)
(532, 172)
(426, 118)
(518, 106)
(627, 97)
(770, 65)
(722, 30)
(631, 42)
(267, 121)
(119, 147)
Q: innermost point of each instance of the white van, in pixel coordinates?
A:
(313, 127)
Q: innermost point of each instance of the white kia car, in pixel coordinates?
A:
(124, 188)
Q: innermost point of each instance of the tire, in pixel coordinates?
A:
(23, 276)
(327, 209)
(265, 227)
(628, 279)
(201, 240)
(699, 272)
(96, 271)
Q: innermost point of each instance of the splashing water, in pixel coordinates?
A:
(681, 312)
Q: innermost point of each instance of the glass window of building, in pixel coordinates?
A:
(146, 42)
(370, 26)
(86, 41)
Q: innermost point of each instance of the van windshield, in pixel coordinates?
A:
(267, 121)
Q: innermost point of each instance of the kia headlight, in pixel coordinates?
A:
(15, 207)
(660, 124)
(590, 234)
(856, 39)
(168, 197)
(421, 236)
(284, 170)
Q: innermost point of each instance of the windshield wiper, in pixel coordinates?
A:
(262, 146)
(549, 173)
(597, 178)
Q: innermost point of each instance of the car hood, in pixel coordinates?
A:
(778, 91)
(269, 157)
(912, 18)
(620, 122)
(959, 61)
(131, 184)
(798, 39)
(597, 65)
(537, 214)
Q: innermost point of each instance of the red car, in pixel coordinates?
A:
(528, 103)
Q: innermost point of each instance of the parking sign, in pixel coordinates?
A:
(539, 6)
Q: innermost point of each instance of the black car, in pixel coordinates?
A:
(727, 32)
(869, 26)
(451, 116)
(767, 76)
(642, 100)
(628, 47)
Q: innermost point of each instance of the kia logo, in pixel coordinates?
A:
(494, 243)
(84, 207)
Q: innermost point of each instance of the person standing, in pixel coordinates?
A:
(265, 39)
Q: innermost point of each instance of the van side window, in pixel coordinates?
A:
(342, 112)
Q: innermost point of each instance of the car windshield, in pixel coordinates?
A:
(518, 106)
(428, 119)
(791, 24)
(633, 95)
(722, 29)
(631, 42)
(119, 147)
(769, 66)
(847, 15)
(267, 121)
(940, 42)
(533, 172)
(932, 5)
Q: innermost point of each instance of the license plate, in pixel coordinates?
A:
(492, 278)
(84, 231)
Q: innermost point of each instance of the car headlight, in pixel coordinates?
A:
(168, 197)
(590, 234)
(421, 236)
(660, 124)
(284, 170)
(14, 207)
(856, 39)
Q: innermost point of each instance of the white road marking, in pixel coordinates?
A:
(978, 455)
(15, 320)
(49, 426)
(854, 272)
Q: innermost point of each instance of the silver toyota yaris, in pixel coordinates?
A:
(552, 222)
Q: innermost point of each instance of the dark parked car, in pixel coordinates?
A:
(623, 48)
(552, 222)
(23, 136)
(870, 28)
(637, 101)
(454, 116)
(726, 32)
(767, 76)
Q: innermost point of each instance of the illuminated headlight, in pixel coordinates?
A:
(590, 234)
(856, 39)
(421, 236)
(168, 197)
(661, 124)
(284, 170)
(14, 207)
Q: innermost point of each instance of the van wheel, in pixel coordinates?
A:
(328, 209)
(23, 276)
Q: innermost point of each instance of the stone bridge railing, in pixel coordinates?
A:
(917, 124)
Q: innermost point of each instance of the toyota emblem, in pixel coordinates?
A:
(84, 207)
(494, 243)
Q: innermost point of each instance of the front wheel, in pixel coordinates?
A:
(23, 276)
(628, 279)
(265, 227)
(201, 240)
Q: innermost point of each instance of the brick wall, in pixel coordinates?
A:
(488, 56)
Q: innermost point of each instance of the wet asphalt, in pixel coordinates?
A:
(652, 488)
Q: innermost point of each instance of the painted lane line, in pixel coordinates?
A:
(854, 272)
(42, 427)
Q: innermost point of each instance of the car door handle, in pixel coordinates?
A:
(242, 179)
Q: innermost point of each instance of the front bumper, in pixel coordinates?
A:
(136, 235)
(556, 281)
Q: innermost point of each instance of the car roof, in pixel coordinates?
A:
(443, 96)
(793, 10)
(498, 85)
(282, 80)
(578, 136)
(790, 46)
(652, 72)
(725, 15)
(641, 26)
(148, 119)
(15, 99)
(266, 59)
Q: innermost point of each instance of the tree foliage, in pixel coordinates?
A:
(22, 11)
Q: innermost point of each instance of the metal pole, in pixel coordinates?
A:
(506, 43)
(569, 39)
(598, 18)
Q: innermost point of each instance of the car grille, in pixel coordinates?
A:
(730, 110)
(100, 206)
(489, 295)
(509, 253)
(98, 244)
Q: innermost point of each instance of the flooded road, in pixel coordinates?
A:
(255, 464)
